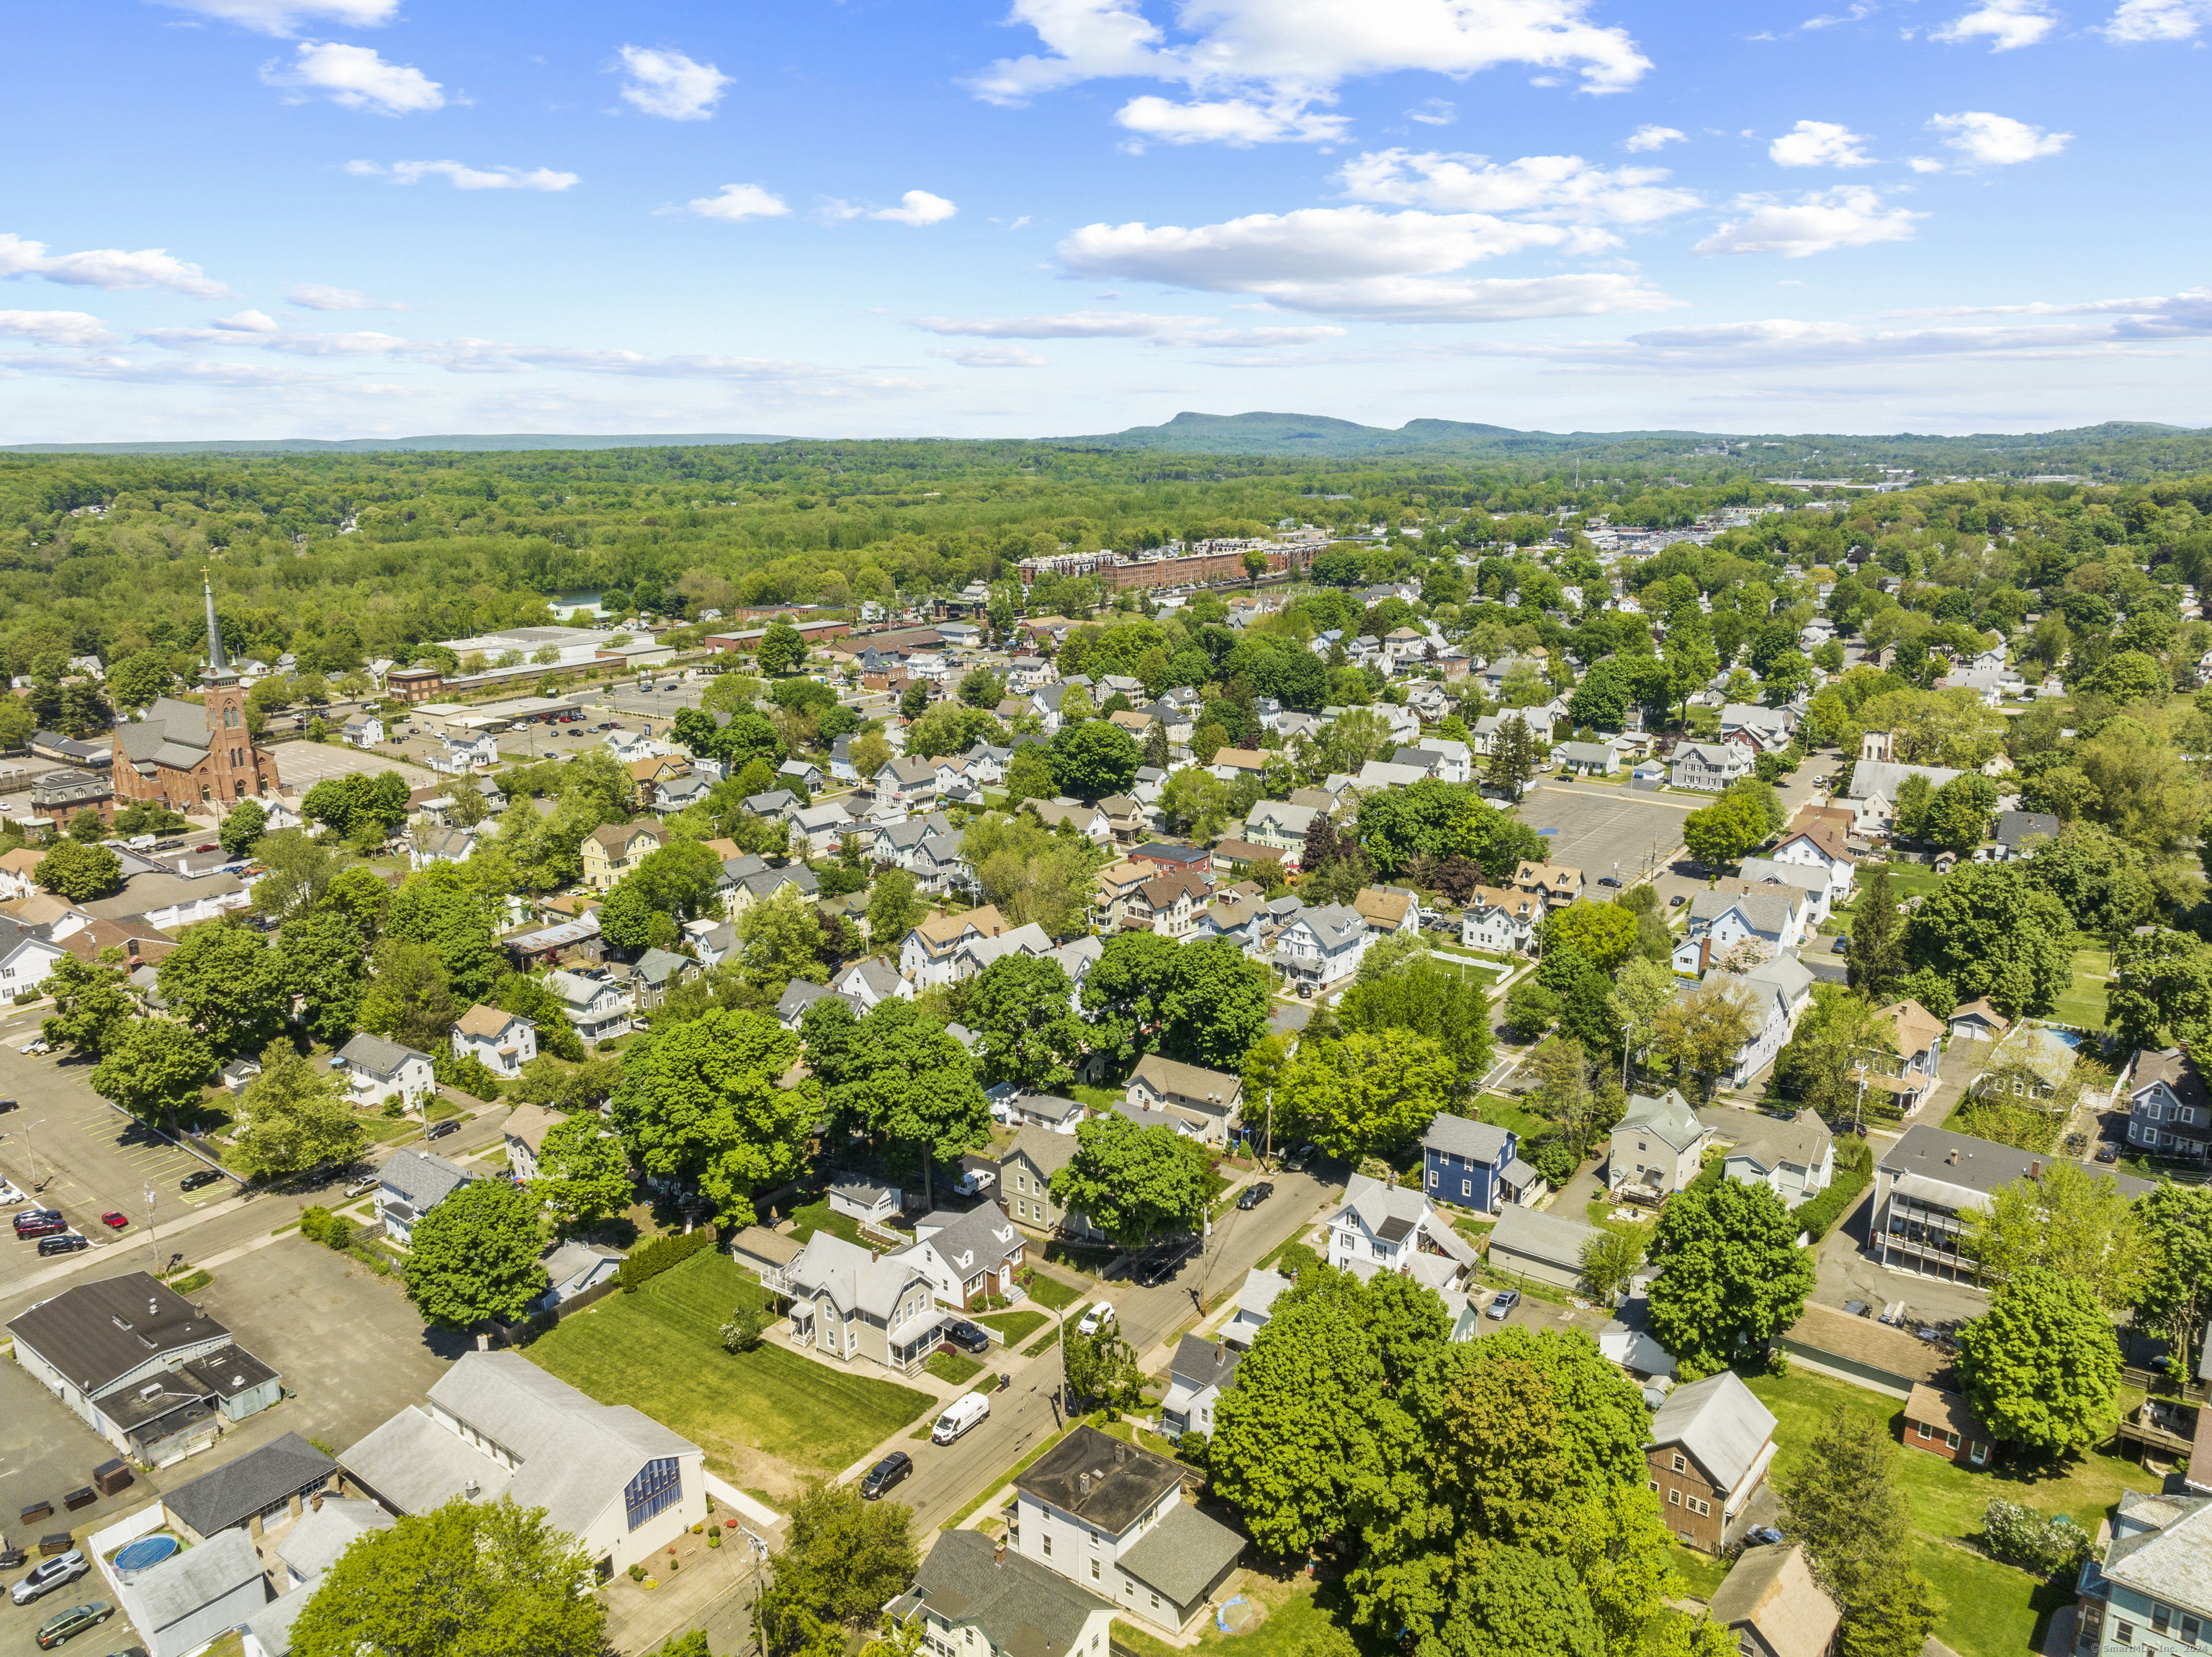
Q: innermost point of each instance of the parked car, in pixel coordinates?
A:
(44, 1223)
(76, 1620)
(967, 1410)
(62, 1567)
(9, 1104)
(970, 1337)
(363, 1186)
(2108, 1153)
(884, 1474)
(68, 1242)
(975, 1182)
(1762, 1536)
(1097, 1319)
(1254, 1194)
(1608, 879)
(35, 1047)
(1296, 1161)
(115, 1219)
(1502, 1305)
(9, 1195)
(1841, 945)
(1675, 902)
(199, 1177)
(440, 1129)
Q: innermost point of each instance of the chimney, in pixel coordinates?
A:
(998, 1554)
(1082, 1485)
(2035, 1168)
(1953, 1159)
(1220, 1355)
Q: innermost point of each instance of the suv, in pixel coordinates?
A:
(76, 1620)
(884, 1474)
(41, 1222)
(62, 1568)
(67, 1242)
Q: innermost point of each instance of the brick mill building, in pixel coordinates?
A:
(185, 755)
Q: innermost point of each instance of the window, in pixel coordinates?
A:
(1094, 1570)
(1467, 1188)
(1156, 1602)
(657, 1487)
(1047, 1545)
(1673, 1498)
(1926, 1431)
(1951, 1440)
(1681, 1466)
(1432, 1179)
(2189, 1629)
(1696, 1506)
(2161, 1620)
(2123, 1634)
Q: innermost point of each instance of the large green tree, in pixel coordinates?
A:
(583, 1170)
(1877, 962)
(898, 1074)
(294, 1115)
(1841, 1500)
(843, 1559)
(704, 1100)
(470, 1579)
(2160, 981)
(154, 1069)
(2069, 1221)
(319, 960)
(2041, 1367)
(408, 997)
(1094, 759)
(1366, 1094)
(1990, 931)
(1136, 1185)
(1515, 1601)
(1730, 1274)
(1840, 1039)
(475, 1256)
(2175, 1295)
(440, 908)
(78, 872)
(1022, 1010)
(93, 1004)
(225, 981)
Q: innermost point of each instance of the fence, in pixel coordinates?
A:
(521, 1334)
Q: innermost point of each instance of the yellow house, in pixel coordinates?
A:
(612, 851)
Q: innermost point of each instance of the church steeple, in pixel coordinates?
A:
(218, 669)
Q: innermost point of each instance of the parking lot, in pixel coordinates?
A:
(1604, 830)
(303, 764)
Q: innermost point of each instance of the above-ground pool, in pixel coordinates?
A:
(146, 1552)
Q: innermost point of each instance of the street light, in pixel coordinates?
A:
(153, 1253)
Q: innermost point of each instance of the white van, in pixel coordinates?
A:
(965, 1412)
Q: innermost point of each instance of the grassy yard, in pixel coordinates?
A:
(953, 1368)
(817, 1217)
(1098, 1099)
(1989, 1610)
(659, 1351)
(1502, 1112)
(2082, 1002)
(1050, 1293)
(1014, 1327)
(1701, 1574)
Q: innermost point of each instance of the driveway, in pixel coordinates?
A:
(1847, 1272)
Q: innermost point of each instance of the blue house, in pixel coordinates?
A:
(1475, 1165)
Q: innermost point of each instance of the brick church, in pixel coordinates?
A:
(185, 755)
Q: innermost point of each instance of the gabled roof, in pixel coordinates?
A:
(978, 1240)
(1552, 1238)
(1668, 1117)
(1184, 1554)
(1719, 1421)
(1765, 910)
(530, 1123)
(238, 1490)
(313, 1546)
(1045, 1151)
(424, 1178)
(1456, 1136)
(856, 1281)
(1023, 1608)
(1800, 1141)
(487, 1022)
(1199, 1362)
(377, 1055)
(1168, 1075)
(1383, 905)
(185, 1583)
(1917, 1028)
(2175, 1068)
(1771, 1589)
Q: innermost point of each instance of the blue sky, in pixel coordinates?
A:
(330, 219)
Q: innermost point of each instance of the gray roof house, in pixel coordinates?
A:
(969, 1585)
(329, 1528)
(378, 1069)
(192, 1597)
(1658, 1143)
(965, 1254)
(262, 1483)
(411, 1185)
(1712, 1436)
(1795, 1158)
(621, 1483)
(1536, 1243)
(848, 1303)
(1198, 1375)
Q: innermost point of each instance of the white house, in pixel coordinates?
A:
(1822, 849)
(378, 1069)
(1780, 990)
(1795, 1160)
(504, 1041)
(1255, 1303)
(26, 956)
(1199, 1373)
(1659, 1144)
(1384, 1227)
(1210, 1101)
(411, 1184)
(621, 1484)
(965, 1255)
(367, 732)
(930, 954)
(1809, 879)
(1710, 767)
(1323, 946)
(599, 1008)
(971, 1595)
(1500, 920)
(1774, 914)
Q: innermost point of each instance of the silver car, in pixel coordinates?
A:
(53, 1573)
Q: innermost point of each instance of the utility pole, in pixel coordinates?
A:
(153, 1253)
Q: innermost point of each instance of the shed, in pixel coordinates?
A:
(862, 1197)
(1532, 1243)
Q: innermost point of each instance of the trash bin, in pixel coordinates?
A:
(83, 1497)
(113, 1476)
(55, 1542)
(38, 1510)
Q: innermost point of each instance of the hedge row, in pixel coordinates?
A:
(1817, 1217)
(649, 1260)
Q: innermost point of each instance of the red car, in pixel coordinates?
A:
(115, 1219)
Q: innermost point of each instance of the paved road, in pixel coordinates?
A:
(947, 1478)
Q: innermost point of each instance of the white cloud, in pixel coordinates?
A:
(55, 327)
(671, 85)
(354, 77)
(1237, 122)
(249, 322)
(1561, 187)
(1816, 223)
(2138, 20)
(1818, 143)
(2186, 314)
(2006, 24)
(917, 208)
(464, 177)
(1830, 19)
(107, 267)
(989, 357)
(1283, 59)
(1354, 261)
(282, 17)
(1164, 330)
(1649, 137)
(737, 202)
(321, 296)
(1988, 140)
(1434, 112)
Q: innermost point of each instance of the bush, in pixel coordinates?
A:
(472, 1075)
(714, 1539)
(637, 1572)
(337, 1233)
(315, 1223)
(1554, 1158)
(2047, 1543)
(1192, 1447)
(649, 1260)
(1817, 1217)
(742, 1333)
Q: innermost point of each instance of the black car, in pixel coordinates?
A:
(199, 1177)
(440, 1129)
(1253, 1194)
(2108, 1153)
(67, 1242)
(1608, 879)
(968, 1336)
(884, 1474)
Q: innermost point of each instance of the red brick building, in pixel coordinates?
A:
(185, 755)
(1940, 1423)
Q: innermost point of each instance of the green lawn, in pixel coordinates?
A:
(1098, 1099)
(1701, 1574)
(1503, 1112)
(953, 1368)
(1050, 1293)
(1989, 1610)
(2082, 1002)
(817, 1217)
(1014, 1327)
(659, 1349)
